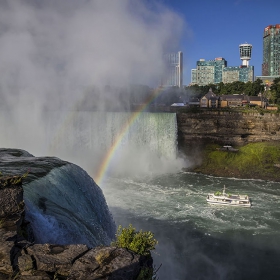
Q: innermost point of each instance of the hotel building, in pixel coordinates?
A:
(271, 51)
(174, 70)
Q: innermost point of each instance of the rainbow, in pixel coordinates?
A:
(110, 153)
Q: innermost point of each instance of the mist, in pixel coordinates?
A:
(54, 53)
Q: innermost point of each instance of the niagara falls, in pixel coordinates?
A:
(89, 113)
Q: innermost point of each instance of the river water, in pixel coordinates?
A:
(197, 240)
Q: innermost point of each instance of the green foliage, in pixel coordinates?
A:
(275, 88)
(12, 180)
(237, 87)
(141, 242)
(145, 274)
(254, 160)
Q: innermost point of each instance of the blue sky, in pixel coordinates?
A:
(216, 28)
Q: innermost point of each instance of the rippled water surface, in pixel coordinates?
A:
(197, 240)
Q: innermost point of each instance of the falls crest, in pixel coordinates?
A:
(146, 142)
(67, 207)
(62, 202)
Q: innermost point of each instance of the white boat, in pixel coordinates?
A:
(223, 198)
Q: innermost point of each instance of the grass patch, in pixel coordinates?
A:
(255, 160)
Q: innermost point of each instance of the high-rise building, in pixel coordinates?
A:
(210, 71)
(244, 72)
(216, 71)
(238, 73)
(193, 77)
(271, 51)
(174, 70)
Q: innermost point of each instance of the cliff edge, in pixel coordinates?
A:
(21, 258)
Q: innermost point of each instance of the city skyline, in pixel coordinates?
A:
(271, 51)
(216, 29)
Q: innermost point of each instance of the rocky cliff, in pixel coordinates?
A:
(227, 127)
(22, 258)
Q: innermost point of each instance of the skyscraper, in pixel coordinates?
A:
(216, 71)
(271, 51)
(174, 69)
(238, 73)
(208, 71)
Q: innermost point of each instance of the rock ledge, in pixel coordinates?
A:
(21, 259)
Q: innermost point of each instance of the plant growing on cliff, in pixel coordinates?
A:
(141, 242)
(12, 180)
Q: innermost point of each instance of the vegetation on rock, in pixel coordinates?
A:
(252, 161)
(141, 242)
(12, 180)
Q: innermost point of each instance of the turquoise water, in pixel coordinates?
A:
(197, 240)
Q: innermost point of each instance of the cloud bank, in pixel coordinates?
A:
(52, 48)
(52, 51)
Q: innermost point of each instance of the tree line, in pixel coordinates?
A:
(255, 88)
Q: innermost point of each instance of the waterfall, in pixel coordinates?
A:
(147, 144)
(62, 202)
(67, 207)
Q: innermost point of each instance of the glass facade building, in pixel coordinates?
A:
(217, 71)
(210, 71)
(193, 77)
(238, 73)
(271, 51)
(174, 70)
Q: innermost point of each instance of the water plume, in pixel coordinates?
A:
(57, 55)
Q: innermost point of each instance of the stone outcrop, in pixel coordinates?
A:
(21, 259)
(227, 127)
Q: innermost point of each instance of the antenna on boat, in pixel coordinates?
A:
(224, 190)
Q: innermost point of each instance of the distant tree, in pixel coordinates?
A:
(276, 88)
(271, 96)
(258, 87)
(248, 88)
(220, 88)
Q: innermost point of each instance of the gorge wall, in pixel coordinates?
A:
(226, 128)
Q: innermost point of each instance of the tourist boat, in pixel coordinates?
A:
(223, 198)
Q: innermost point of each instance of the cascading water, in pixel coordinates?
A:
(138, 143)
(148, 143)
(98, 131)
(63, 203)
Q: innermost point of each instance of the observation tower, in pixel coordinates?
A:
(245, 51)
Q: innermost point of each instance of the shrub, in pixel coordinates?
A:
(141, 242)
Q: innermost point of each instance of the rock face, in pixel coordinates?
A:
(21, 259)
(233, 128)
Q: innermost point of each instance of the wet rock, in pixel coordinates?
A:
(21, 259)
(107, 263)
(50, 258)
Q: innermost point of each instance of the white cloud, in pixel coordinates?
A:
(50, 50)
